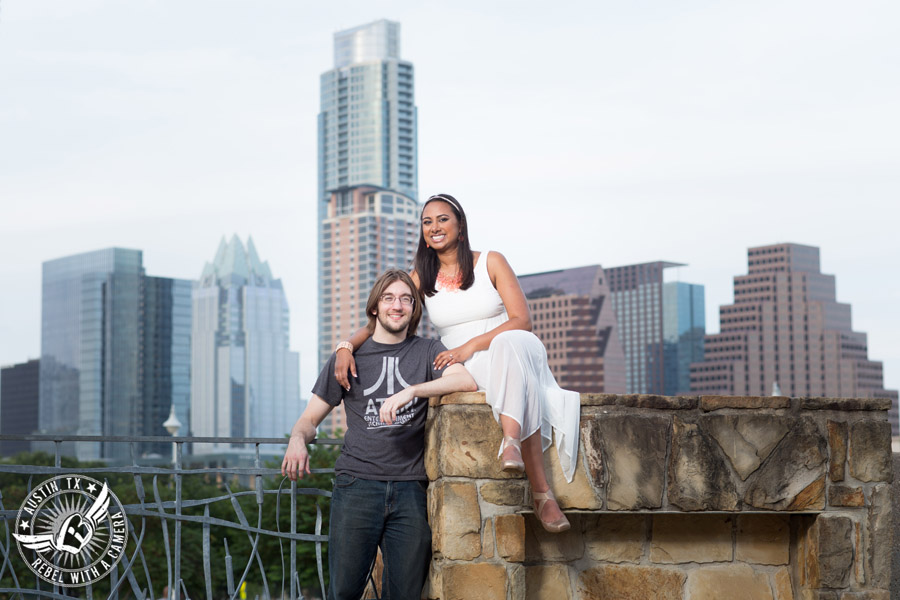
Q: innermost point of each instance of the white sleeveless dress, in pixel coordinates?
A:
(513, 371)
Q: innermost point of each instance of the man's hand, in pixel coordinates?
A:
(388, 412)
(296, 459)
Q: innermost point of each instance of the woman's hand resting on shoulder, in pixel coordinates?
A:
(460, 354)
(344, 367)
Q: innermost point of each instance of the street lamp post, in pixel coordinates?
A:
(172, 425)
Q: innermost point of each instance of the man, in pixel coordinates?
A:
(380, 481)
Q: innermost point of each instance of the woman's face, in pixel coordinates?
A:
(440, 227)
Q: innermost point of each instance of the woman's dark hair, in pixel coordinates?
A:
(386, 279)
(427, 263)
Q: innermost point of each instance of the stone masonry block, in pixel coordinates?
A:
(735, 582)
(593, 455)
(615, 538)
(845, 404)
(465, 581)
(691, 538)
(781, 583)
(710, 403)
(837, 449)
(458, 398)
(504, 493)
(880, 537)
(656, 402)
(630, 582)
(635, 451)
(699, 477)
(763, 539)
(789, 479)
(510, 531)
(543, 547)
(455, 520)
(516, 575)
(487, 538)
(468, 439)
(748, 439)
(547, 582)
(866, 595)
(846, 495)
(827, 556)
(870, 451)
(580, 493)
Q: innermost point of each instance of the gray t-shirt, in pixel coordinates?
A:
(373, 449)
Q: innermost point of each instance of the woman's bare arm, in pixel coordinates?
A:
(507, 285)
(344, 363)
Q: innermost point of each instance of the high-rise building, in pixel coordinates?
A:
(684, 327)
(101, 324)
(165, 357)
(19, 385)
(365, 231)
(244, 378)
(639, 302)
(368, 179)
(572, 316)
(786, 327)
(367, 123)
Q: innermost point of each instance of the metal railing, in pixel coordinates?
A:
(168, 507)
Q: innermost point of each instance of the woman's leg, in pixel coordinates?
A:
(533, 457)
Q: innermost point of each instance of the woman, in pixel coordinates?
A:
(475, 301)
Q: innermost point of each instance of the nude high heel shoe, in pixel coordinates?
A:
(514, 465)
(540, 501)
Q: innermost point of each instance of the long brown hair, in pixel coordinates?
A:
(427, 263)
(386, 279)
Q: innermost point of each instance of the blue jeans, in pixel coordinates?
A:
(366, 514)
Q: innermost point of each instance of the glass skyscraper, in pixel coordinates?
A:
(98, 330)
(244, 379)
(646, 313)
(684, 326)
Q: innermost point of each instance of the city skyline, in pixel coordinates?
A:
(123, 128)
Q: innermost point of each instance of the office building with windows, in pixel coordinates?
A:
(366, 230)
(684, 328)
(786, 327)
(572, 315)
(244, 378)
(102, 323)
(19, 385)
(368, 178)
(637, 298)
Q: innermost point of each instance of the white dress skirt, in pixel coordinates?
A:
(513, 371)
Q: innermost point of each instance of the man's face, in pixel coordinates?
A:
(395, 307)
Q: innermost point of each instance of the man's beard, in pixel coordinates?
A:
(394, 326)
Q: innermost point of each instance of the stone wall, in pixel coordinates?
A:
(674, 497)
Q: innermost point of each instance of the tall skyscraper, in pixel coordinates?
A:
(165, 356)
(244, 378)
(98, 332)
(641, 311)
(368, 178)
(19, 385)
(684, 327)
(367, 123)
(787, 327)
(572, 316)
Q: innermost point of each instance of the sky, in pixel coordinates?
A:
(573, 133)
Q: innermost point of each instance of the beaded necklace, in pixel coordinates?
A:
(448, 283)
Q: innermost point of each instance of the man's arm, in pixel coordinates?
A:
(455, 378)
(296, 459)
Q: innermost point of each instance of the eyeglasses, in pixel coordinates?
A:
(405, 300)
